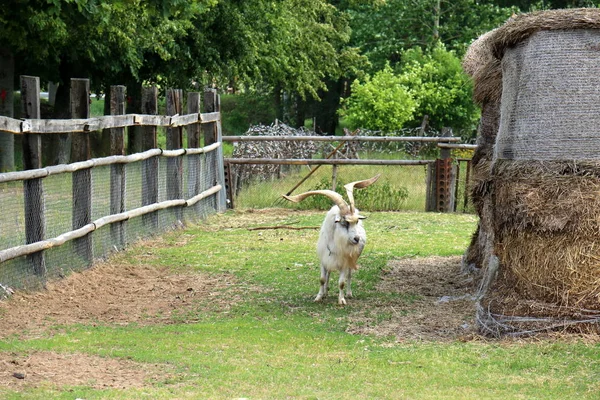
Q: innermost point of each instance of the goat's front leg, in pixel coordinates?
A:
(342, 285)
(324, 284)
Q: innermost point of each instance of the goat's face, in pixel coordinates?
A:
(350, 227)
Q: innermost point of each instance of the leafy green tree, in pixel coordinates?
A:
(382, 103)
(384, 31)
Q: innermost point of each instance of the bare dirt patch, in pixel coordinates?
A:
(113, 294)
(430, 299)
(49, 368)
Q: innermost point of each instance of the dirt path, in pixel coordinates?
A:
(433, 301)
(142, 294)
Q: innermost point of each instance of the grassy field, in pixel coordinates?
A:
(262, 337)
(400, 188)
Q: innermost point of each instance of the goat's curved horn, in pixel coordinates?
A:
(358, 185)
(335, 197)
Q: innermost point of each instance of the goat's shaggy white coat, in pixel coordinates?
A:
(340, 243)
(342, 237)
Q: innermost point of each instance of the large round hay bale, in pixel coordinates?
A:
(541, 204)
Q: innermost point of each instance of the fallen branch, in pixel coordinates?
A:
(294, 228)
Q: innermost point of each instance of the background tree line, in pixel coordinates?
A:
(299, 58)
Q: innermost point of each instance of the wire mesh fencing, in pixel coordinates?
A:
(61, 219)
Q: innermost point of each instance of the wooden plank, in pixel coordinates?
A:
(11, 125)
(340, 139)
(208, 117)
(173, 153)
(60, 169)
(184, 120)
(298, 161)
(152, 120)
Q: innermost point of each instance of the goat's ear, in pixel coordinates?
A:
(362, 217)
(337, 219)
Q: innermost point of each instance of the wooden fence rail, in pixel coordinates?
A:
(340, 139)
(20, 126)
(306, 161)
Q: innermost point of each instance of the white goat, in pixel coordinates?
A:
(342, 238)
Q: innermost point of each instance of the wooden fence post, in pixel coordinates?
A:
(117, 171)
(193, 141)
(212, 134)
(174, 142)
(150, 166)
(82, 179)
(35, 220)
(210, 105)
(193, 131)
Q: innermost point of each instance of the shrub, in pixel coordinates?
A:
(379, 197)
(383, 103)
(441, 89)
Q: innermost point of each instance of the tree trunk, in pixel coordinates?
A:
(437, 10)
(57, 148)
(134, 106)
(100, 141)
(277, 92)
(7, 89)
(325, 111)
(300, 116)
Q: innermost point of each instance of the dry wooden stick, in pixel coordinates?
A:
(312, 171)
(295, 228)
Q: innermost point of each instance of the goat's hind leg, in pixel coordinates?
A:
(342, 285)
(324, 284)
(349, 285)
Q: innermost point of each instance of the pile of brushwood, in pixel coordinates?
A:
(247, 173)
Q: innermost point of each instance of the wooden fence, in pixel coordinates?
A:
(32, 128)
(442, 174)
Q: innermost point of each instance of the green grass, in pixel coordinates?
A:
(407, 179)
(400, 188)
(275, 343)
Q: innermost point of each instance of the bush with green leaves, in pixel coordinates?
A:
(382, 103)
(441, 89)
(379, 197)
(425, 83)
